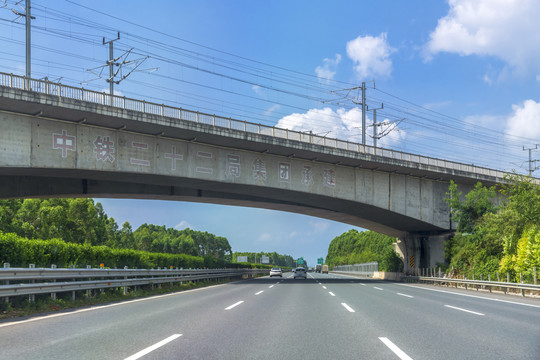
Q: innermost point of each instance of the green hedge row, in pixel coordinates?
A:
(20, 252)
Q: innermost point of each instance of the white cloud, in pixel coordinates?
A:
(438, 105)
(328, 69)
(257, 89)
(184, 225)
(371, 56)
(272, 109)
(506, 29)
(265, 237)
(525, 121)
(480, 122)
(320, 226)
(341, 123)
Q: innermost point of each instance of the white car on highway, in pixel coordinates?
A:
(276, 272)
(300, 272)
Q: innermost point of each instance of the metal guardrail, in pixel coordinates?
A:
(32, 281)
(102, 98)
(366, 269)
(475, 284)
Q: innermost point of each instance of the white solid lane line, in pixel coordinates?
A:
(409, 296)
(331, 293)
(395, 349)
(348, 307)
(99, 307)
(465, 310)
(473, 296)
(153, 347)
(260, 292)
(234, 305)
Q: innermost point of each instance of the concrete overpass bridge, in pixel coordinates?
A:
(61, 141)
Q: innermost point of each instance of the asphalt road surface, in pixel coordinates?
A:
(323, 317)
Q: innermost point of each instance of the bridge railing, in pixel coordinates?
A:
(33, 281)
(102, 98)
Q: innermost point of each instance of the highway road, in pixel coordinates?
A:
(324, 317)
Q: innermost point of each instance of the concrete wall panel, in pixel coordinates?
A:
(172, 158)
(426, 200)
(440, 207)
(398, 193)
(54, 144)
(97, 148)
(15, 140)
(203, 162)
(412, 194)
(136, 153)
(381, 187)
(364, 186)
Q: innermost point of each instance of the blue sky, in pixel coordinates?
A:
(459, 80)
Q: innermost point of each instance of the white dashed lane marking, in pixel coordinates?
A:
(234, 305)
(464, 310)
(153, 347)
(396, 350)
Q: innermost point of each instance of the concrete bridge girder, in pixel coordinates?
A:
(91, 158)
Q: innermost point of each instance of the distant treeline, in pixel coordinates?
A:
(83, 222)
(274, 258)
(355, 247)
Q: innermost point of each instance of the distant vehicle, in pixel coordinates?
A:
(276, 272)
(318, 268)
(324, 269)
(300, 272)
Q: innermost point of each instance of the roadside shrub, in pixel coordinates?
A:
(20, 252)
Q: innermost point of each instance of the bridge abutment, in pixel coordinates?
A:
(421, 251)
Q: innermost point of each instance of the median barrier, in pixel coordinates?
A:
(32, 281)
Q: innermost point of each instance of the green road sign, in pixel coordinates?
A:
(320, 260)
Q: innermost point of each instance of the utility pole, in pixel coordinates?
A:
(110, 80)
(531, 168)
(365, 109)
(364, 106)
(375, 125)
(119, 62)
(28, 18)
(28, 47)
(363, 113)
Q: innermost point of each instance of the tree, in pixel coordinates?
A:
(492, 238)
(355, 247)
(478, 202)
(520, 226)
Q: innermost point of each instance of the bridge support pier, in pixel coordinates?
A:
(421, 251)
